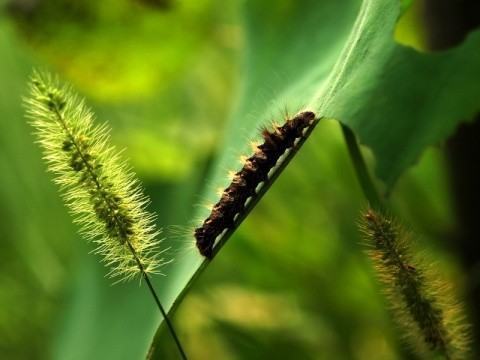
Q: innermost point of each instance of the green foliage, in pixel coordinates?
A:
(101, 54)
(298, 236)
(355, 72)
(102, 194)
(340, 59)
(422, 303)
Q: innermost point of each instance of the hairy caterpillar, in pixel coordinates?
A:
(226, 213)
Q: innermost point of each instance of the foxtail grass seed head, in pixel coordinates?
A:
(99, 188)
(423, 305)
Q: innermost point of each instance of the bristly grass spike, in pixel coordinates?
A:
(100, 190)
(422, 303)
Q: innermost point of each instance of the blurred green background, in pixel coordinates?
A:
(292, 283)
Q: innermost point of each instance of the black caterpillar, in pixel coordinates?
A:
(254, 171)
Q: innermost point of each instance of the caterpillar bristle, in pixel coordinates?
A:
(246, 183)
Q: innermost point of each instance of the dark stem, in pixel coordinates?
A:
(364, 178)
(131, 248)
(448, 23)
(159, 304)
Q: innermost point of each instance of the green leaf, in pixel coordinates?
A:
(339, 58)
(336, 57)
(396, 99)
